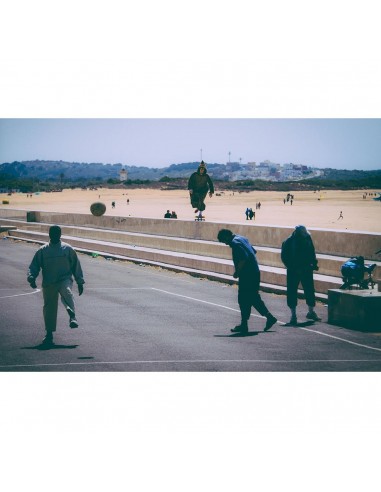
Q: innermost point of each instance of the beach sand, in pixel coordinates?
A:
(320, 209)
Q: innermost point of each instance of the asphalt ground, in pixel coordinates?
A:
(141, 318)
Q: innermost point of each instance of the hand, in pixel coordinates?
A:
(316, 268)
(80, 289)
(210, 194)
(191, 192)
(33, 284)
(235, 275)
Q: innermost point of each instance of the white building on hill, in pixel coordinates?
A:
(123, 175)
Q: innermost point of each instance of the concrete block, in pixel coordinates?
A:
(355, 309)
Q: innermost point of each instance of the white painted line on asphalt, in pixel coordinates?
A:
(194, 361)
(201, 300)
(258, 316)
(119, 288)
(18, 295)
(342, 339)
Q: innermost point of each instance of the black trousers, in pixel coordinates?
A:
(305, 277)
(248, 298)
(197, 200)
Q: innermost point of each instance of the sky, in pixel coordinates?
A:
(158, 142)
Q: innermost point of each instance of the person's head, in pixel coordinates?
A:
(202, 168)
(301, 231)
(225, 236)
(55, 234)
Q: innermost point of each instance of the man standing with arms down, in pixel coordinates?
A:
(298, 256)
(59, 263)
(247, 271)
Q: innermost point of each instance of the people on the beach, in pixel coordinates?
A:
(248, 274)
(167, 215)
(299, 257)
(199, 184)
(341, 215)
(59, 263)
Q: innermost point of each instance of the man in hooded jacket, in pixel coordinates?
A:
(298, 256)
(198, 185)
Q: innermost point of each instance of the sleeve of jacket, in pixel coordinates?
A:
(285, 253)
(211, 186)
(35, 266)
(190, 182)
(313, 256)
(76, 268)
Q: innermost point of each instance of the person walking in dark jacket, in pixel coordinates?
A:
(248, 274)
(59, 263)
(199, 184)
(298, 256)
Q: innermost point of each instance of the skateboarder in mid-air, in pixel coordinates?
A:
(198, 185)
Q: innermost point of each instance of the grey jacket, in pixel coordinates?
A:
(57, 262)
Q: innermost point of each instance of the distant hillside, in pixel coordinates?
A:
(77, 171)
(38, 174)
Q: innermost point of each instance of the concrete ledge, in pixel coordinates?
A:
(7, 228)
(328, 265)
(220, 266)
(355, 309)
(327, 241)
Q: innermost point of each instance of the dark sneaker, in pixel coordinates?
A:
(271, 320)
(48, 340)
(313, 316)
(293, 322)
(240, 329)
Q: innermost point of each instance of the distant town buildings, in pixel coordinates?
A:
(268, 171)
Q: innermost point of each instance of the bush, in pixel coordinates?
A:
(5, 202)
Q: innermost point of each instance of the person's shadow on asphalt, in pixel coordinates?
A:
(51, 346)
(240, 335)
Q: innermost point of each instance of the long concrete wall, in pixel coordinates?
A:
(327, 241)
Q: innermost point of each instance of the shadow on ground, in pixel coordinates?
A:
(51, 346)
(240, 335)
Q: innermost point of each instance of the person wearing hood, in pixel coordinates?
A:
(198, 185)
(246, 269)
(299, 257)
(59, 263)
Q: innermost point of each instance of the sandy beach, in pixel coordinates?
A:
(320, 210)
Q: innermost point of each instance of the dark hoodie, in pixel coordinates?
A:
(201, 183)
(298, 251)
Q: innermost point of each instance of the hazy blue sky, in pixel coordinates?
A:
(337, 143)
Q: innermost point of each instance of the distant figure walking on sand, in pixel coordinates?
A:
(59, 264)
(198, 185)
(167, 215)
(340, 216)
(247, 272)
(113, 204)
(298, 256)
